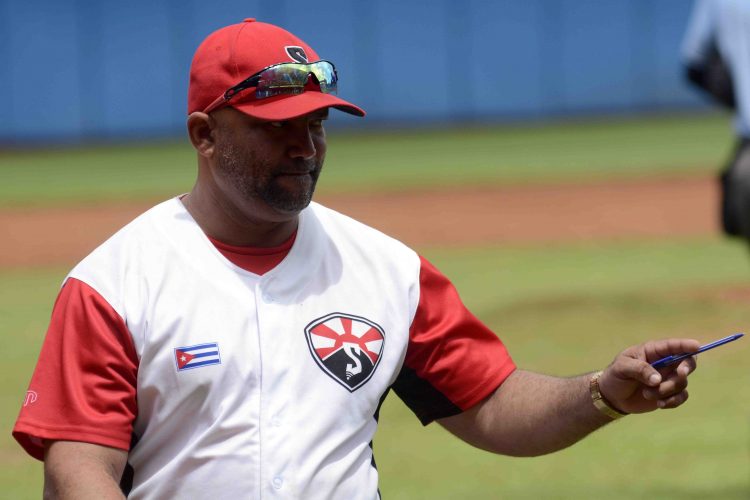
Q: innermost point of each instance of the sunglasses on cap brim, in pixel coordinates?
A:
(283, 79)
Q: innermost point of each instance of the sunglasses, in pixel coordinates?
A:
(283, 78)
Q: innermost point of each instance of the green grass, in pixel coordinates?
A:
(26, 298)
(560, 309)
(400, 159)
(564, 151)
(507, 274)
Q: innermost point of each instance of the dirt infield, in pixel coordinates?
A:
(650, 208)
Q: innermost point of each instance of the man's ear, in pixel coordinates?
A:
(200, 128)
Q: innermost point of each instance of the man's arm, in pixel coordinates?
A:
(532, 414)
(82, 471)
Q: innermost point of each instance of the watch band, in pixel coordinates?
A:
(600, 403)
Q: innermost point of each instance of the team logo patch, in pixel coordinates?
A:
(346, 347)
(296, 53)
(196, 356)
(30, 398)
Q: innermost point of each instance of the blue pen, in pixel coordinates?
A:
(670, 360)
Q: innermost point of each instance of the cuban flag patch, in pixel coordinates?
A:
(196, 356)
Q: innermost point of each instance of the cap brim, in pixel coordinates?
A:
(289, 107)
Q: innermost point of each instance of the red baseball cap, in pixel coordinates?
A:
(233, 53)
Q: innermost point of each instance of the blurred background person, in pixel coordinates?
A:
(716, 55)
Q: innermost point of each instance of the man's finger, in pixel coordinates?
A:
(657, 349)
(673, 401)
(626, 367)
(671, 385)
(687, 366)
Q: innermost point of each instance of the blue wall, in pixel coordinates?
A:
(78, 69)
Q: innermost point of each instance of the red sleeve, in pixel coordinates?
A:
(84, 384)
(453, 360)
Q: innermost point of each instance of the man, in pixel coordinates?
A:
(716, 55)
(237, 342)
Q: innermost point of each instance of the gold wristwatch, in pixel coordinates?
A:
(600, 403)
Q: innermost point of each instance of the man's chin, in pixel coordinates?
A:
(289, 204)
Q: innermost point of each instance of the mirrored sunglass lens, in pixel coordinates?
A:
(326, 76)
(292, 78)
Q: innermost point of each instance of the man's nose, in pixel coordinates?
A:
(302, 144)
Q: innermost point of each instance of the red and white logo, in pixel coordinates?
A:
(296, 53)
(30, 398)
(346, 347)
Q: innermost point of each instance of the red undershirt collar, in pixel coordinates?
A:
(257, 260)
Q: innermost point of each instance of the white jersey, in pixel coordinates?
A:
(248, 386)
(726, 24)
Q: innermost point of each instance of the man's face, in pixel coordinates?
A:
(269, 166)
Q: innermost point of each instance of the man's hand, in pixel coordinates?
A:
(630, 384)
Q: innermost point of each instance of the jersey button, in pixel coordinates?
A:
(278, 482)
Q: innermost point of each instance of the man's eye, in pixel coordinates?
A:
(276, 124)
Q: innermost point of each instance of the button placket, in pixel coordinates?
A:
(266, 293)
